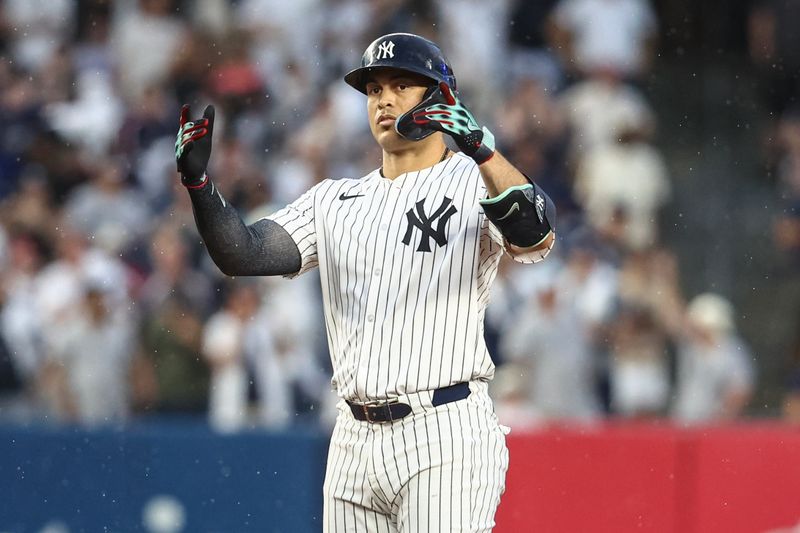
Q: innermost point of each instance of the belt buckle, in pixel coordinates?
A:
(365, 409)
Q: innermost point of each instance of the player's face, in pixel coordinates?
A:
(390, 93)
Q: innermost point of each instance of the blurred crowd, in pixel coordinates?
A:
(111, 311)
(774, 52)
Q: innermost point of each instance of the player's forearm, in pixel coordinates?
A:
(499, 174)
(260, 249)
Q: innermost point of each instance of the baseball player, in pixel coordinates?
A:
(406, 256)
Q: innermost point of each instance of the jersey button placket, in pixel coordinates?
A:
(382, 247)
(378, 251)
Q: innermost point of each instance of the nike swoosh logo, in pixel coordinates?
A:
(514, 207)
(344, 196)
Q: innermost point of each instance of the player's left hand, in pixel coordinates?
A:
(443, 111)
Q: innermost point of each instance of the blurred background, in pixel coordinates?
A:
(667, 133)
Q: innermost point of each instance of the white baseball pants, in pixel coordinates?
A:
(438, 469)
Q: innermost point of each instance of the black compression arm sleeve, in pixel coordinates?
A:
(263, 248)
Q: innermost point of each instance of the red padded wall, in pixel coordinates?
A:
(619, 478)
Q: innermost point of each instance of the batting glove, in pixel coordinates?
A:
(193, 147)
(443, 111)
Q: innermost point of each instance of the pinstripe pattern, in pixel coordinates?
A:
(401, 321)
(440, 469)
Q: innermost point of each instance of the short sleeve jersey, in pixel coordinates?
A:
(405, 267)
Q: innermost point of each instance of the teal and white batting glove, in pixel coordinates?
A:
(193, 147)
(443, 111)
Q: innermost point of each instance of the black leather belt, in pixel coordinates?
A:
(388, 412)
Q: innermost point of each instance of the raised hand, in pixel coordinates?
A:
(443, 111)
(193, 146)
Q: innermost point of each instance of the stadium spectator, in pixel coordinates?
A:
(639, 362)
(512, 403)
(172, 377)
(143, 138)
(292, 313)
(272, 25)
(23, 125)
(553, 335)
(461, 24)
(343, 35)
(532, 110)
(272, 372)
(600, 107)
(639, 367)
(20, 321)
(715, 368)
(786, 232)
(611, 35)
(560, 369)
(223, 347)
(90, 118)
(145, 39)
(650, 279)
(788, 148)
(107, 209)
(61, 283)
(175, 299)
(173, 275)
(774, 46)
(529, 46)
(91, 363)
(38, 29)
(624, 183)
(786, 224)
(31, 208)
(91, 52)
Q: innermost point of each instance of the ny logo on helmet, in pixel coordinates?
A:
(385, 50)
(424, 223)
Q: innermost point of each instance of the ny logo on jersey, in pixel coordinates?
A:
(385, 50)
(425, 224)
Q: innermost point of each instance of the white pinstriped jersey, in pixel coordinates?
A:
(405, 268)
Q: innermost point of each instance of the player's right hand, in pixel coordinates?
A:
(193, 146)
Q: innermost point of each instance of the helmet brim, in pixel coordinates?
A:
(357, 78)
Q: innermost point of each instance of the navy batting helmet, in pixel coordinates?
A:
(405, 51)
